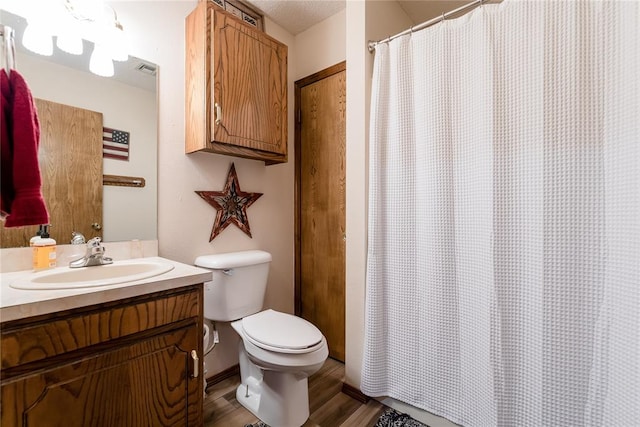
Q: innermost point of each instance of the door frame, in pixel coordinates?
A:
(299, 84)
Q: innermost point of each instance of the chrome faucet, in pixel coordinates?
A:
(94, 255)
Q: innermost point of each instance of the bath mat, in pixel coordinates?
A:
(393, 418)
(258, 424)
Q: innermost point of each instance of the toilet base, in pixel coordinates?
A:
(280, 399)
(277, 398)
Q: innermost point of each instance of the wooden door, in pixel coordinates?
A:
(70, 157)
(320, 201)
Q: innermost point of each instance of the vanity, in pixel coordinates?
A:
(126, 354)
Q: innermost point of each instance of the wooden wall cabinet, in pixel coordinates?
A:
(236, 88)
(133, 362)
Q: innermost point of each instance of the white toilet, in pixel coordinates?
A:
(278, 351)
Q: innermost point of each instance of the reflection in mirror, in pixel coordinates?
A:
(126, 102)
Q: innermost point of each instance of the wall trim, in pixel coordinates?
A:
(355, 393)
(221, 376)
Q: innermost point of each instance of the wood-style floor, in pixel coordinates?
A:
(328, 406)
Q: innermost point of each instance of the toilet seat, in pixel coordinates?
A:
(281, 332)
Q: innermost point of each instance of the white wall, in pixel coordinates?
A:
(320, 46)
(184, 219)
(125, 108)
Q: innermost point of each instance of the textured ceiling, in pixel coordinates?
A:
(296, 16)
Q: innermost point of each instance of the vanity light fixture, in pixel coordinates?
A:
(75, 20)
(117, 40)
(68, 35)
(69, 42)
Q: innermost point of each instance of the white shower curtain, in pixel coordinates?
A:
(503, 277)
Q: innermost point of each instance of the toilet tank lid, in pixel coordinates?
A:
(233, 259)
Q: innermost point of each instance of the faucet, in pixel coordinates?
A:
(94, 255)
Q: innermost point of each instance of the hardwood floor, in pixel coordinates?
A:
(329, 407)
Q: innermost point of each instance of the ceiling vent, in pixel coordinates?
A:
(146, 68)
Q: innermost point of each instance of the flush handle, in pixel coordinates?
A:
(196, 363)
(228, 271)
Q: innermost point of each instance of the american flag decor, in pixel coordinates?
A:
(115, 144)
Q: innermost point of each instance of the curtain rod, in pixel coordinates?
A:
(372, 45)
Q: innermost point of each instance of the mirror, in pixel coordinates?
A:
(128, 103)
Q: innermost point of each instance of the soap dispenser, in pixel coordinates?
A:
(44, 251)
(37, 236)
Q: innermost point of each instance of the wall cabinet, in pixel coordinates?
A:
(236, 88)
(131, 362)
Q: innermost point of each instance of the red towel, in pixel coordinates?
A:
(6, 169)
(26, 205)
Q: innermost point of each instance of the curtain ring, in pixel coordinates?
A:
(443, 17)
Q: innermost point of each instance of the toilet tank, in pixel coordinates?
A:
(238, 286)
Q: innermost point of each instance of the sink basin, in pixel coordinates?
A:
(86, 277)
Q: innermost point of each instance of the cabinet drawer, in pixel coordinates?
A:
(53, 335)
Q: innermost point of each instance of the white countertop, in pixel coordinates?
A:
(17, 303)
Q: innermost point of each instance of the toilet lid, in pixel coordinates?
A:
(272, 329)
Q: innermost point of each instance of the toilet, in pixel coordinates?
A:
(277, 351)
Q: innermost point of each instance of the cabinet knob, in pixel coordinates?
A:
(196, 359)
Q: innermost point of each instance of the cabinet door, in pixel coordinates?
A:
(249, 102)
(144, 383)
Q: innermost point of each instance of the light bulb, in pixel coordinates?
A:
(100, 62)
(118, 43)
(37, 39)
(69, 43)
(68, 35)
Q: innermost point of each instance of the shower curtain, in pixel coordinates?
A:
(503, 272)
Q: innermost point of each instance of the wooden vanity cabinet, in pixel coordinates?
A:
(133, 362)
(236, 88)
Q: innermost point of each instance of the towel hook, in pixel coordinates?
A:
(8, 47)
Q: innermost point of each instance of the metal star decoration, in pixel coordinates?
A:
(231, 204)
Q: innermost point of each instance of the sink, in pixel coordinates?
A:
(86, 277)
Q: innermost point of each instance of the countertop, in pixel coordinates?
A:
(17, 304)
